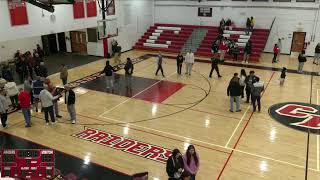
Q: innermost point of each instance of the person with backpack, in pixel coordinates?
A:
(214, 66)
(250, 80)
(256, 92)
(242, 79)
(234, 92)
(276, 51)
(302, 59)
(247, 51)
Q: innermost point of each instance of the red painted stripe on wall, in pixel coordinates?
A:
(18, 12)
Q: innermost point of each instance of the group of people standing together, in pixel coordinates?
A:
(252, 86)
(35, 91)
(183, 167)
(222, 45)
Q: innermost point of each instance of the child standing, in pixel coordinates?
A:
(283, 76)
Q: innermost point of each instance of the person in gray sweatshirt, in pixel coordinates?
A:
(258, 88)
(3, 108)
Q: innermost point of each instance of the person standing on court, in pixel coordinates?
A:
(37, 87)
(257, 90)
(47, 99)
(234, 91)
(214, 66)
(302, 59)
(175, 165)
(316, 59)
(12, 90)
(159, 64)
(189, 62)
(108, 71)
(279, 43)
(191, 161)
(223, 47)
(25, 104)
(250, 80)
(3, 108)
(70, 99)
(179, 63)
(247, 51)
(242, 81)
(128, 72)
(53, 90)
(64, 74)
(276, 51)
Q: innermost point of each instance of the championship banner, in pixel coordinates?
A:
(78, 9)
(91, 8)
(18, 12)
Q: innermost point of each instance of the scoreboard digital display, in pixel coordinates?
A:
(35, 164)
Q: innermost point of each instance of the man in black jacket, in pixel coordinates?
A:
(302, 59)
(108, 71)
(180, 59)
(250, 80)
(247, 51)
(214, 66)
(70, 99)
(234, 91)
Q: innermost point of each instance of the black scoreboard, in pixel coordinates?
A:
(35, 164)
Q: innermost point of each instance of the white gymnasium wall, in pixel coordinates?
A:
(42, 23)
(288, 16)
(8, 48)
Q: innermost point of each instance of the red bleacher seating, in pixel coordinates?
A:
(258, 38)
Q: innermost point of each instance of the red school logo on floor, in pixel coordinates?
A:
(300, 116)
(124, 144)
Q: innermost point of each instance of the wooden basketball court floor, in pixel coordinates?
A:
(242, 145)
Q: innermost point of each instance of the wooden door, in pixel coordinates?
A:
(78, 42)
(298, 41)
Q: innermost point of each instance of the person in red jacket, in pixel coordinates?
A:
(24, 100)
(276, 51)
(223, 47)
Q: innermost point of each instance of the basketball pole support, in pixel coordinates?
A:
(105, 40)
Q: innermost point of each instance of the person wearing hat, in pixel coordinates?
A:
(70, 99)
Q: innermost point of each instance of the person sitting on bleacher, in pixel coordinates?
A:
(235, 51)
(6, 73)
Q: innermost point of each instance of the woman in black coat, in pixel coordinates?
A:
(175, 166)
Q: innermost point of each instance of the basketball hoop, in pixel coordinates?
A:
(107, 28)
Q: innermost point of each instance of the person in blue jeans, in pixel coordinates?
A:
(256, 92)
(25, 104)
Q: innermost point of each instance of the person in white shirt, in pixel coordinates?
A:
(12, 91)
(189, 60)
(47, 99)
(3, 108)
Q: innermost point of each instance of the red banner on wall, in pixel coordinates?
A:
(18, 12)
(91, 8)
(78, 9)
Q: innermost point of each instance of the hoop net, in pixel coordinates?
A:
(107, 28)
